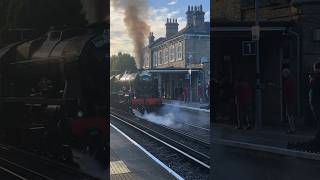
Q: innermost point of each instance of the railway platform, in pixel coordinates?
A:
(262, 154)
(195, 106)
(130, 161)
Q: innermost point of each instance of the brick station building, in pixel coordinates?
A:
(289, 37)
(171, 58)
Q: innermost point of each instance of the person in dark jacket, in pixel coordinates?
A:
(314, 97)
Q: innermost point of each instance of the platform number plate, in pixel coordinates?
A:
(249, 48)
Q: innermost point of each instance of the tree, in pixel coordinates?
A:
(121, 63)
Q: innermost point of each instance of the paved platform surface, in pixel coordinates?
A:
(262, 154)
(127, 161)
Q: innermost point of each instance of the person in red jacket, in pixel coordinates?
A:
(185, 93)
(289, 95)
(243, 100)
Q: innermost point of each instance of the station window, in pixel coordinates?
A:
(160, 57)
(179, 51)
(155, 59)
(166, 55)
(172, 53)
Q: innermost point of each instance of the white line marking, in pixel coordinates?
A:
(149, 154)
(13, 173)
(169, 145)
(35, 128)
(266, 148)
(187, 107)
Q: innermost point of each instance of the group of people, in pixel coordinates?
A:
(242, 93)
(244, 99)
(182, 93)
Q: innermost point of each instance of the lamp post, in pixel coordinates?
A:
(190, 77)
(258, 73)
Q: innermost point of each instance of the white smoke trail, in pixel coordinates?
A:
(167, 119)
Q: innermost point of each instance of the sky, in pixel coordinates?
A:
(159, 11)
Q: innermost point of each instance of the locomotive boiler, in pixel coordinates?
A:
(53, 88)
(135, 91)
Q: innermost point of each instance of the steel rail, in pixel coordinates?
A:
(183, 133)
(186, 151)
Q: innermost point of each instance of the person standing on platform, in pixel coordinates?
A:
(200, 92)
(314, 98)
(289, 95)
(243, 101)
(185, 93)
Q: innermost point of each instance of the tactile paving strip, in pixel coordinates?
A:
(118, 167)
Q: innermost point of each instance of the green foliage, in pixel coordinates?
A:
(121, 63)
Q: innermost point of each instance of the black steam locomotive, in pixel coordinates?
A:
(135, 91)
(53, 89)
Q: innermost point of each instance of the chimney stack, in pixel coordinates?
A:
(189, 14)
(171, 27)
(151, 38)
(195, 16)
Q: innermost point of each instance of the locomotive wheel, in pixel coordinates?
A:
(94, 141)
(141, 109)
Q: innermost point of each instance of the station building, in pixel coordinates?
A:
(173, 57)
(289, 38)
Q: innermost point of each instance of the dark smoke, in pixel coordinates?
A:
(136, 15)
(96, 10)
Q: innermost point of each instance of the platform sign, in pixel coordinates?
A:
(249, 48)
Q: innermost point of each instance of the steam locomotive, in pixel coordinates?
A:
(53, 90)
(135, 91)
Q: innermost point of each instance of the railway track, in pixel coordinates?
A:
(193, 131)
(23, 165)
(194, 149)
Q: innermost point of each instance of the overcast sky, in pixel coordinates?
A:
(159, 11)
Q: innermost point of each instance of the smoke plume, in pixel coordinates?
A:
(96, 10)
(136, 14)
